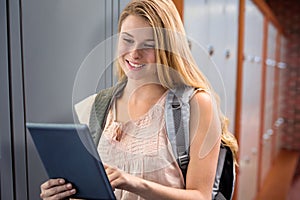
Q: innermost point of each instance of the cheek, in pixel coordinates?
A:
(122, 49)
(151, 56)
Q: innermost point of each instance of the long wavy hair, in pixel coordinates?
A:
(172, 50)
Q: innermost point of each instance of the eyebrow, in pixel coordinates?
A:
(125, 33)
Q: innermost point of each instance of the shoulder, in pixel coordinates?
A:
(203, 110)
(202, 99)
(205, 123)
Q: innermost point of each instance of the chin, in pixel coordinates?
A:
(134, 76)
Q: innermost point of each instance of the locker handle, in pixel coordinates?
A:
(257, 59)
(247, 159)
(270, 62)
(227, 53)
(279, 122)
(250, 58)
(282, 65)
(211, 50)
(266, 137)
(254, 151)
(268, 134)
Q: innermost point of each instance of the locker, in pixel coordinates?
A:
(223, 36)
(14, 184)
(196, 18)
(213, 47)
(68, 54)
(269, 101)
(282, 65)
(55, 45)
(212, 28)
(251, 96)
(6, 173)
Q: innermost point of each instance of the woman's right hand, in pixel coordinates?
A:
(56, 189)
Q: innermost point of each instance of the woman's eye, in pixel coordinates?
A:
(149, 46)
(130, 41)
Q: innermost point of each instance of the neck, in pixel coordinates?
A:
(143, 90)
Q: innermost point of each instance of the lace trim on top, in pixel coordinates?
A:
(147, 120)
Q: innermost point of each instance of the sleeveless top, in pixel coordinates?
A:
(141, 148)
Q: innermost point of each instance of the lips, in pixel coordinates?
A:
(134, 66)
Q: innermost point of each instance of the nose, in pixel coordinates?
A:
(136, 53)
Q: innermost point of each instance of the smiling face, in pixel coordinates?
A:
(136, 49)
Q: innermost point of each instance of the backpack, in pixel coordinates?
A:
(177, 123)
(177, 114)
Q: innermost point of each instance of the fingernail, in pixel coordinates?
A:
(69, 185)
(61, 181)
(73, 191)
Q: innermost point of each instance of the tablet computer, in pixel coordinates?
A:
(68, 151)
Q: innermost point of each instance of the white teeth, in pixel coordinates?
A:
(135, 65)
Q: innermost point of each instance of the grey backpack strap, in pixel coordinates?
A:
(177, 115)
(100, 109)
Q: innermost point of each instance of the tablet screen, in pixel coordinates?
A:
(67, 151)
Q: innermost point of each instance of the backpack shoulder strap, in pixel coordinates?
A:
(100, 109)
(177, 115)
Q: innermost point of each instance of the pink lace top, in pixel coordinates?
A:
(141, 148)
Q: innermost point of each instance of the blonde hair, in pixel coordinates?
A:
(172, 50)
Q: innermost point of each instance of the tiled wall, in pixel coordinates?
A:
(288, 15)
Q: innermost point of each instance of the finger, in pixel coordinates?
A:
(52, 182)
(110, 170)
(118, 181)
(114, 177)
(114, 183)
(105, 166)
(57, 190)
(65, 194)
(61, 195)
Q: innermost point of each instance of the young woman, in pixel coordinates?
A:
(154, 57)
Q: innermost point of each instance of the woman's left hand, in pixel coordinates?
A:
(119, 179)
